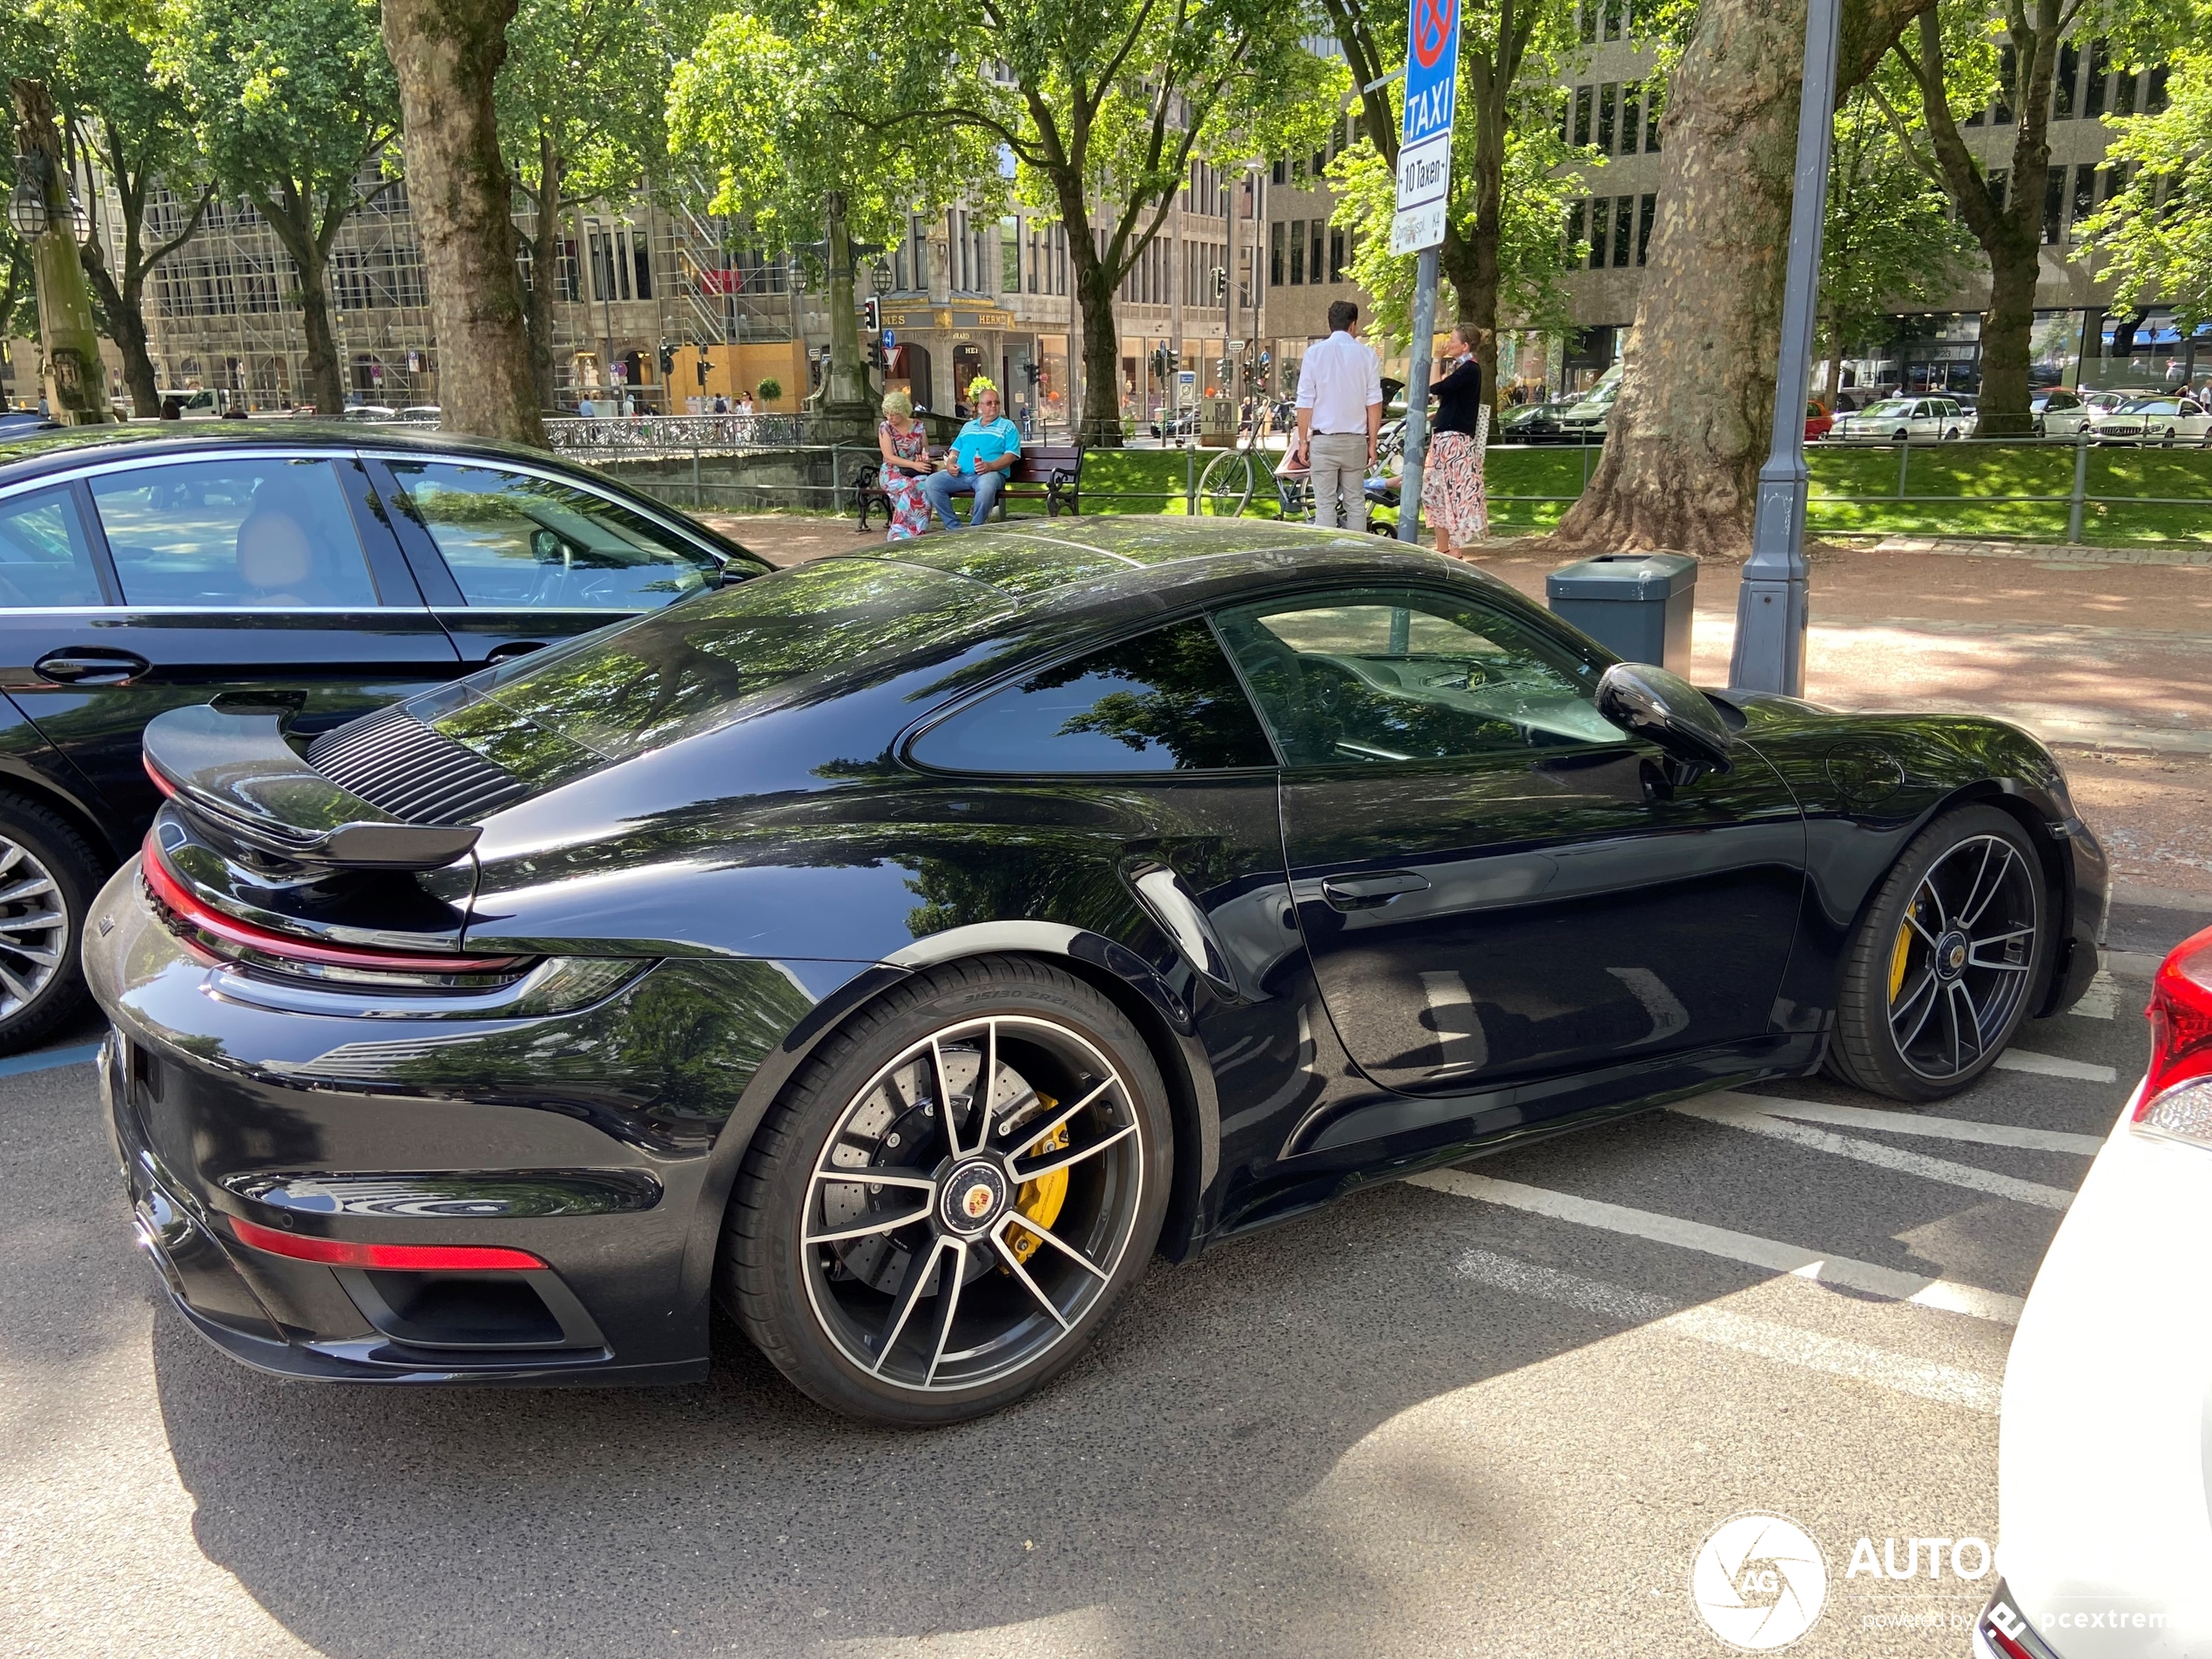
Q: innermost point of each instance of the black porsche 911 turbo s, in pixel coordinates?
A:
(904, 947)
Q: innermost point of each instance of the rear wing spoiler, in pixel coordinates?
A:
(233, 771)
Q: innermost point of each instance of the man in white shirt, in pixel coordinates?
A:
(1340, 416)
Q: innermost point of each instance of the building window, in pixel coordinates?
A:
(641, 262)
(2155, 95)
(1571, 250)
(1336, 254)
(2123, 92)
(1279, 174)
(1586, 21)
(1624, 209)
(1275, 239)
(1631, 118)
(2084, 192)
(1645, 214)
(1607, 97)
(1297, 253)
(2054, 203)
(1582, 115)
(2008, 68)
(1313, 248)
(1010, 255)
(571, 286)
(1616, 20)
(2093, 95)
(1651, 119)
(1599, 213)
(2062, 88)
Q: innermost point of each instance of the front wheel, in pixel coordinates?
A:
(952, 1196)
(1937, 979)
(1225, 487)
(2168, 442)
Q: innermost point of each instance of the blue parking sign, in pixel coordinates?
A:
(1424, 140)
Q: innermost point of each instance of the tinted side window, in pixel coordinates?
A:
(1385, 675)
(514, 540)
(1165, 701)
(44, 557)
(242, 533)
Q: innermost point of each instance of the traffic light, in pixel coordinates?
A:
(667, 359)
(1220, 283)
(701, 366)
(872, 314)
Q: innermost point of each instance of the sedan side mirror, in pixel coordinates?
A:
(1649, 702)
(545, 547)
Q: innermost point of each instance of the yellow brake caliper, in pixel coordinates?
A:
(1040, 1200)
(1897, 955)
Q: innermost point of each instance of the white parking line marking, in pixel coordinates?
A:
(1765, 1338)
(2049, 1065)
(2100, 999)
(1716, 1109)
(1944, 1129)
(1748, 1248)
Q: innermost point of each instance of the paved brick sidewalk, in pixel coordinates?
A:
(2105, 652)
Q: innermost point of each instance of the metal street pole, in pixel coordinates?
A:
(1409, 482)
(1770, 607)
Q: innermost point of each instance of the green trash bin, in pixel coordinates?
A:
(1637, 605)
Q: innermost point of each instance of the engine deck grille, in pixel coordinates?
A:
(395, 761)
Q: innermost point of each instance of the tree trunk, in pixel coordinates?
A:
(326, 385)
(126, 326)
(1101, 427)
(2007, 330)
(446, 54)
(1690, 427)
(848, 402)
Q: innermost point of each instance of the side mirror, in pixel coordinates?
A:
(1649, 702)
(545, 547)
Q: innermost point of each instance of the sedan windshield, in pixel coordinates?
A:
(2150, 406)
(1891, 409)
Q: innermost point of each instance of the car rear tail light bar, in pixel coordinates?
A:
(2177, 1090)
(230, 938)
(420, 1259)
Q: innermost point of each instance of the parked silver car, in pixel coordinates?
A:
(2167, 420)
(1899, 419)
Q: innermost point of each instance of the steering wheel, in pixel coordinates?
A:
(556, 562)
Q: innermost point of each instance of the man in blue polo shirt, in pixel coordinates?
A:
(981, 456)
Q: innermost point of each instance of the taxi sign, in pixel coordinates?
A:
(1425, 139)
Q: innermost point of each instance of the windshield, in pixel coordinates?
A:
(1891, 407)
(2150, 406)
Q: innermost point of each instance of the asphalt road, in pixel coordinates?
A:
(1457, 1418)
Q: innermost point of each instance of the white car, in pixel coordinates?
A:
(2167, 420)
(1900, 420)
(2105, 1451)
(374, 411)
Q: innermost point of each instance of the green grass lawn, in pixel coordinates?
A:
(1854, 490)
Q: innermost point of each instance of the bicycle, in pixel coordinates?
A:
(1225, 487)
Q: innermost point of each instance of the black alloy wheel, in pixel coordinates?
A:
(1937, 979)
(952, 1196)
(48, 876)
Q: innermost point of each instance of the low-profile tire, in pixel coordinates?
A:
(1945, 963)
(1048, 1192)
(48, 876)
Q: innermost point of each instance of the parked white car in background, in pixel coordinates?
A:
(2104, 1466)
(1897, 420)
(2166, 420)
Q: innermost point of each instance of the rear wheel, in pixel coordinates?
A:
(48, 876)
(1225, 487)
(954, 1197)
(1937, 979)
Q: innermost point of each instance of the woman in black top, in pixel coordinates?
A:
(1452, 494)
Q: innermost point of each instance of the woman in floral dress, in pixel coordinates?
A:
(905, 463)
(1453, 498)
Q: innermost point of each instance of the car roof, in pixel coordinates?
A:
(36, 454)
(1097, 568)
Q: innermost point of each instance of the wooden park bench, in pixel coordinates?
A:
(1049, 472)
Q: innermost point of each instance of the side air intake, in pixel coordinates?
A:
(395, 761)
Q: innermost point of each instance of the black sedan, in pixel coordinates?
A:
(327, 571)
(904, 947)
(1534, 422)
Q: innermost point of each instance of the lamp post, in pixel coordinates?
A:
(1770, 607)
(41, 211)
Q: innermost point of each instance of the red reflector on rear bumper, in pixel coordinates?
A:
(333, 1252)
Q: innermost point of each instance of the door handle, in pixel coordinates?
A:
(90, 665)
(1369, 892)
(513, 648)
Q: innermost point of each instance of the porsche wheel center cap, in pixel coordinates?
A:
(973, 1198)
(1951, 955)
